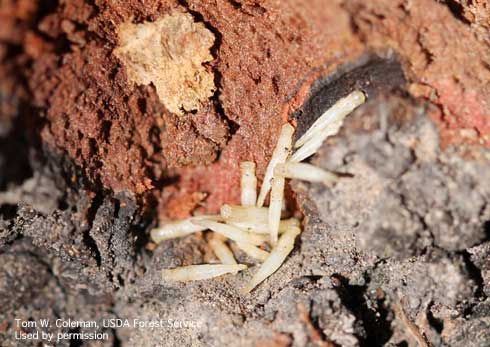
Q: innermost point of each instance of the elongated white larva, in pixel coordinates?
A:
(222, 251)
(335, 113)
(179, 228)
(235, 213)
(253, 251)
(305, 172)
(308, 149)
(279, 253)
(291, 222)
(275, 207)
(312, 145)
(200, 272)
(263, 228)
(251, 227)
(248, 183)
(280, 154)
(251, 224)
(231, 232)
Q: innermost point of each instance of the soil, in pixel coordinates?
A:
(91, 159)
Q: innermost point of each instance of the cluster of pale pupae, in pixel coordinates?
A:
(251, 225)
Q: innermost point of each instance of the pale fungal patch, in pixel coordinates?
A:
(279, 253)
(200, 272)
(280, 154)
(253, 251)
(248, 183)
(306, 172)
(169, 53)
(222, 251)
(275, 207)
(333, 117)
(250, 224)
(231, 232)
